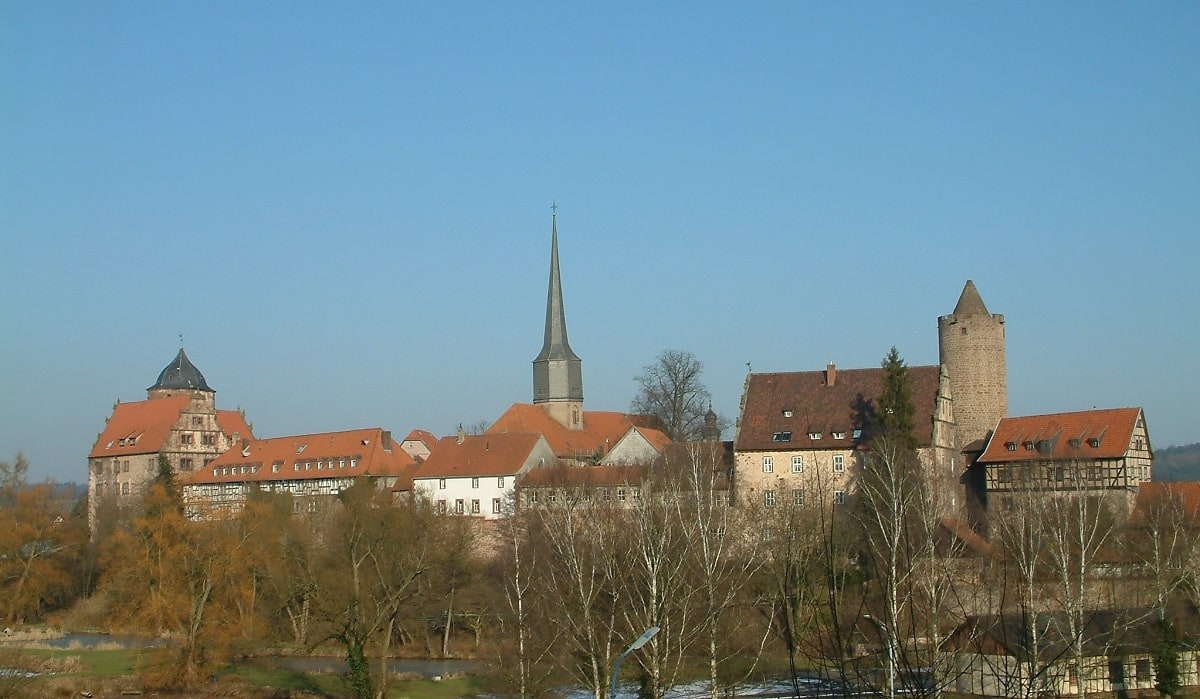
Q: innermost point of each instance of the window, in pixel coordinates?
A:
(208, 439)
(124, 488)
(532, 497)
(637, 493)
(839, 497)
(196, 421)
(620, 495)
(125, 466)
(275, 467)
(1142, 670)
(782, 437)
(768, 465)
(441, 507)
(185, 464)
(495, 506)
(500, 482)
(797, 464)
(769, 498)
(441, 484)
(856, 434)
(1004, 475)
(767, 533)
(839, 463)
(1011, 446)
(475, 507)
(187, 438)
(353, 463)
(798, 497)
(458, 506)
(475, 482)
(839, 435)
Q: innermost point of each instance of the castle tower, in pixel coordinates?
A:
(971, 345)
(557, 370)
(182, 378)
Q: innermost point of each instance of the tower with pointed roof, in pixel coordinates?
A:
(557, 370)
(972, 347)
(181, 378)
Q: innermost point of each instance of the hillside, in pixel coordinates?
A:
(1177, 463)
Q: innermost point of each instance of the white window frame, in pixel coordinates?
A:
(839, 463)
(797, 464)
(768, 464)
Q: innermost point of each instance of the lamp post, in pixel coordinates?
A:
(891, 655)
(641, 641)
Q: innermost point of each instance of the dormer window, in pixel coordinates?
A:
(782, 437)
(856, 434)
(787, 412)
(814, 435)
(1075, 443)
(1094, 442)
(839, 435)
(300, 449)
(1011, 446)
(1028, 446)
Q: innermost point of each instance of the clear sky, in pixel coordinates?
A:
(344, 208)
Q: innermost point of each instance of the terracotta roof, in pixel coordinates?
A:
(815, 407)
(142, 427)
(583, 476)
(1087, 434)
(1186, 495)
(422, 436)
(479, 455)
(309, 456)
(601, 430)
(657, 438)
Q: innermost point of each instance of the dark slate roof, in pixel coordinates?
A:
(849, 404)
(181, 374)
(970, 303)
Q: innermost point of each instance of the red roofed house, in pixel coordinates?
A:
(640, 445)
(1098, 452)
(178, 420)
(310, 468)
(575, 435)
(418, 444)
(804, 434)
(476, 474)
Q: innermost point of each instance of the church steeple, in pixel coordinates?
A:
(557, 370)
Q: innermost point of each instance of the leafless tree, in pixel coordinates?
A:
(671, 389)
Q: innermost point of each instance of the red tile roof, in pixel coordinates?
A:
(601, 430)
(142, 427)
(816, 407)
(1063, 436)
(426, 438)
(479, 455)
(309, 456)
(657, 438)
(1185, 494)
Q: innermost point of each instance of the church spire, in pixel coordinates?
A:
(558, 371)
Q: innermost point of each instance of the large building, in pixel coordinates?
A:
(805, 434)
(178, 422)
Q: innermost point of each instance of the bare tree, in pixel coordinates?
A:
(670, 389)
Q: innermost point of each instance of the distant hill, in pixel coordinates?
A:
(1177, 463)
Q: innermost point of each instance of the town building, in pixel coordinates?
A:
(178, 422)
(1089, 453)
(311, 468)
(477, 474)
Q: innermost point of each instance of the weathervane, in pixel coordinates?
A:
(554, 207)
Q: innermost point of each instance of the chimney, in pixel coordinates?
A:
(385, 438)
(830, 374)
(462, 434)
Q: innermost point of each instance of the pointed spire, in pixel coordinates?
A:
(557, 371)
(970, 303)
(555, 345)
(181, 374)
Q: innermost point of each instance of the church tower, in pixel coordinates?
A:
(558, 371)
(972, 348)
(182, 378)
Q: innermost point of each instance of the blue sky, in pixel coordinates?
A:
(345, 208)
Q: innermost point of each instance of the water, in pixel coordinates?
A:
(400, 666)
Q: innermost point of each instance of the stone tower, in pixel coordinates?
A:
(971, 345)
(558, 371)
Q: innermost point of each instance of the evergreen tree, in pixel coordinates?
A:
(896, 410)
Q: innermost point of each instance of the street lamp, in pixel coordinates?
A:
(641, 641)
(891, 655)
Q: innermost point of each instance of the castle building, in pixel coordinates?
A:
(577, 436)
(1103, 453)
(806, 434)
(178, 421)
(312, 468)
(971, 346)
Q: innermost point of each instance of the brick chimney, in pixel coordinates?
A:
(385, 437)
(462, 434)
(830, 374)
